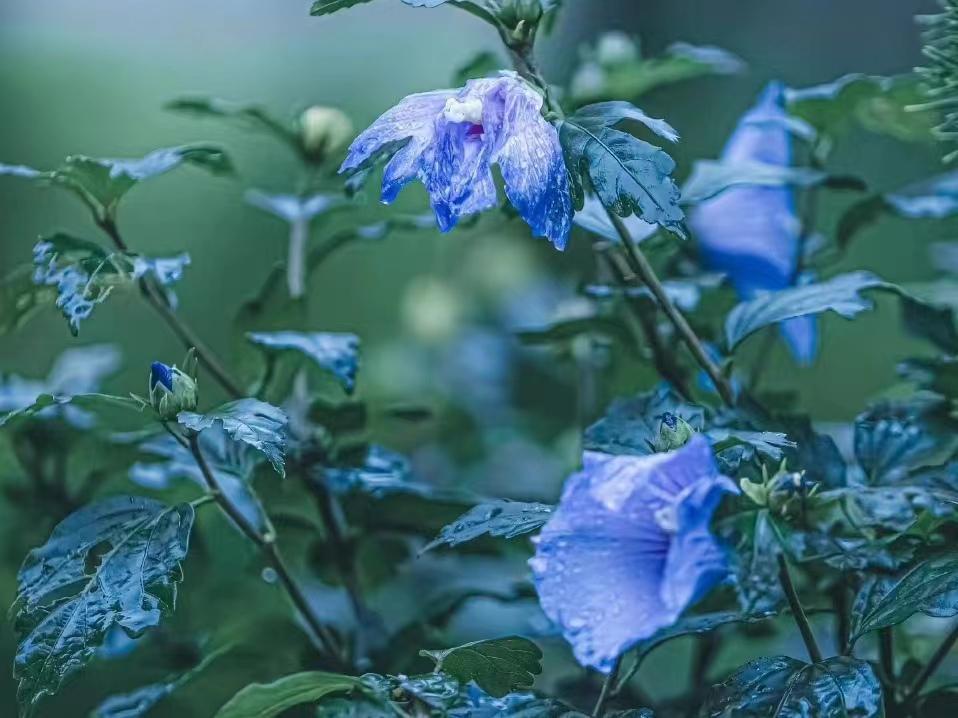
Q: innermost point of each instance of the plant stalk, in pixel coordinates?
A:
(931, 666)
(183, 331)
(606, 691)
(266, 542)
(798, 613)
(296, 259)
(641, 266)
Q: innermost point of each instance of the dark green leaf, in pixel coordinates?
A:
(768, 443)
(842, 295)
(335, 353)
(930, 587)
(84, 274)
(21, 298)
(878, 104)
(92, 401)
(781, 687)
(266, 700)
(499, 666)
(629, 175)
(113, 563)
(696, 625)
(507, 519)
(939, 374)
(101, 183)
(712, 177)
(625, 74)
(250, 421)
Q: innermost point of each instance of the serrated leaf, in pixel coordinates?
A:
(102, 182)
(629, 175)
(250, 421)
(768, 443)
(336, 353)
(499, 666)
(266, 700)
(841, 294)
(84, 274)
(506, 519)
(113, 563)
(712, 177)
(930, 587)
(782, 687)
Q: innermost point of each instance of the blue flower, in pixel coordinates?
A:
(160, 373)
(629, 548)
(449, 140)
(753, 234)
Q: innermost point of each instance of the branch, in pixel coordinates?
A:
(798, 613)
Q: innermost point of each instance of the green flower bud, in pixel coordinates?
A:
(324, 129)
(674, 433)
(173, 390)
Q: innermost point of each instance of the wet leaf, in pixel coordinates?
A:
(498, 666)
(266, 700)
(335, 353)
(506, 519)
(112, 563)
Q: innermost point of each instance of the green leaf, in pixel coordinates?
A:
(113, 563)
(842, 295)
(499, 666)
(782, 687)
(930, 587)
(879, 104)
(933, 198)
(250, 421)
(84, 274)
(335, 353)
(629, 175)
(892, 439)
(139, 702)
(21, 298)
(101, 183)
(92, 401)
(939, 374)
(507, 519)
(325, 7)
(251, 116)
(294, 208)
(712, 177)
(697, 625)
(606, 75)
(266, 700)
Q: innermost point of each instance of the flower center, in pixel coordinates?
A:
(468, 110)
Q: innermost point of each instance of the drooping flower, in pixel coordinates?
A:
(629, 548)
(752, 233)
(449, 140)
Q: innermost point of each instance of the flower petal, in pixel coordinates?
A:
(413, 119)
(752, 234)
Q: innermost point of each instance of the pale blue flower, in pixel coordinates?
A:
(449, 140)
(752, 233)
(629, 548)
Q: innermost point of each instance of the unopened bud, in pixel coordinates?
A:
(173, 390)
(674, 433)
(616, 48)
(324, 129)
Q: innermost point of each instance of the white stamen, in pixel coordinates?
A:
(469, 110)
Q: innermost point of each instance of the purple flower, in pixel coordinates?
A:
(629, 548)
(451, 138)
(160, 373)
(753, 234)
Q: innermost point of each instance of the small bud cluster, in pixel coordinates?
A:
(782, 493)
(674, 433)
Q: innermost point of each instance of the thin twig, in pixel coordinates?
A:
(929, 668)
(606, 691)
(184, 332)
(266, 542)
(798, 613)
(641, 266)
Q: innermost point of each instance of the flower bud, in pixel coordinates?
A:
(324, 129)
(173, 390)
(616, 48)
(674, 433)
